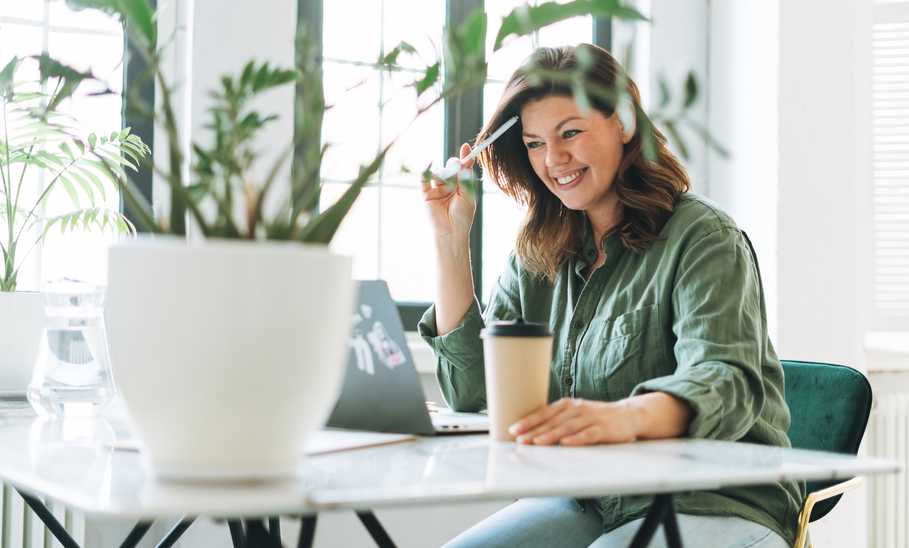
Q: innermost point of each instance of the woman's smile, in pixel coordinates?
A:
(571, 179)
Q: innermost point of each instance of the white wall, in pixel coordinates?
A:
(823, 194)
(207, 39)
(743, 108)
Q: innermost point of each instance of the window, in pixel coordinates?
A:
(89, 40)
(388, 232)
(890, 166)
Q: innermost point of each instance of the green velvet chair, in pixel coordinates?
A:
(830, 405)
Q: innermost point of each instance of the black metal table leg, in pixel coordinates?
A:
(49, 521)
(236, 533)
(307, 531)
(134, 536)
(257, 536)
(274, 529)
(671, 527)
(376, 531)
(175, 533)
(662, 511)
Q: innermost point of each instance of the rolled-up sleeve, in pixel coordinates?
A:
(719, 328)
(459, 359)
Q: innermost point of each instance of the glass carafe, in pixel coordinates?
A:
(72, 373)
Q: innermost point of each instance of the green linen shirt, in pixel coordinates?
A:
(685, 317)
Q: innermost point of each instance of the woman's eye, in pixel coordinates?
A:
(533, 144)
(570, 133)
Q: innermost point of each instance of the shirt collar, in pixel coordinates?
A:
(612, 247)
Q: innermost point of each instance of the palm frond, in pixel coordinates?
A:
(91, 218)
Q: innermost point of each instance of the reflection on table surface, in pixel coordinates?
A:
(76, 461)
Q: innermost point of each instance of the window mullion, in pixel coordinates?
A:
(602, 32)
(138, 83)
(463, 120)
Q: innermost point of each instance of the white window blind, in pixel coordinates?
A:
(890, 165)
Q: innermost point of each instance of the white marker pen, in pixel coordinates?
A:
(453, 165)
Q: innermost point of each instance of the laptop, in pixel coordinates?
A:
(381, 390)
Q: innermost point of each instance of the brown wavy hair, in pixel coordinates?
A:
(647, 189)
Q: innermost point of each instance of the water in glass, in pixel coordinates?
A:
(72, 374)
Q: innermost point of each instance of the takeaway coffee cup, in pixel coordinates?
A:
(517, 356)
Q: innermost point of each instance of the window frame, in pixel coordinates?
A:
(463, 119)
(469, 108)
(138, 82)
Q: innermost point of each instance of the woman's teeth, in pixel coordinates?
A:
(570, 178)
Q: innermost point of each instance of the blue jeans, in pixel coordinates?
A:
(562, 522)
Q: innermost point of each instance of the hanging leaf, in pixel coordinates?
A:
(391, 58)
(526, 19)
(676, 138)
(665, 95)
(137, 13)
(428, 80)
(71, 78)
(691, 89)
(6, 78)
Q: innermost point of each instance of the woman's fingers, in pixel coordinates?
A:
(550, 419)
(588, 436)
(465, 150)
(566, 428)
(538, 417)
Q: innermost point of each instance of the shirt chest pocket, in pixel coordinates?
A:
(622, 351)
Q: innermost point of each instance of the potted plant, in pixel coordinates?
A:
(228, 346)
(37, 138)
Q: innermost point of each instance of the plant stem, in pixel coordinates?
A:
(8, 282)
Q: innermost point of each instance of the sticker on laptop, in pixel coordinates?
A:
(370, 338)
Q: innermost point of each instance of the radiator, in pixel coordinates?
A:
(888, 505)
(21, 528)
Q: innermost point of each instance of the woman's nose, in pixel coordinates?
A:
(556, 155)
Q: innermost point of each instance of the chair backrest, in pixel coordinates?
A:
(829, 405)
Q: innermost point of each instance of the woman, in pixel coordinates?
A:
(654, 299)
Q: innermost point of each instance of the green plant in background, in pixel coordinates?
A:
(35, 138)
(223, 197)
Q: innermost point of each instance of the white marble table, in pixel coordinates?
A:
(75, 463)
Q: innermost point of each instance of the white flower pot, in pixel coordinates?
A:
(21, 322)
(227, 354)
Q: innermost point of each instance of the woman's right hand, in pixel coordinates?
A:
(451, 207)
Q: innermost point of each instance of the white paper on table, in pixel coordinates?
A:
(321, 441)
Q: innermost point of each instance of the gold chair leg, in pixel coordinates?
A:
(801, 538)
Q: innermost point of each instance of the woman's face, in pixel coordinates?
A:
(575, 155)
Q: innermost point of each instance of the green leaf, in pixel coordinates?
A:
(6, 78)
(665, 95)
(138, 13)
(71, 78)
(428, 80)
(526, 19)
(691, 89)
(472, 34)
(322, 227)
(70, 189)
(391, 57)
(92, 140)
(676, 138)
(91, 176)
(64, 146)
(581, 98)
(84, 184)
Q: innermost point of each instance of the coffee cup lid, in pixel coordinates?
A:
(515, 328)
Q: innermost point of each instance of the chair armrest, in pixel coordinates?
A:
(814, 498)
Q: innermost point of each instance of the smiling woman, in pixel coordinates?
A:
(653, 296)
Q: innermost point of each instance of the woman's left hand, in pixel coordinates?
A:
(578, 422)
